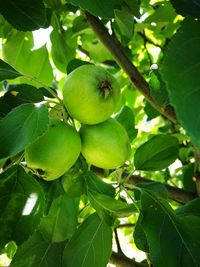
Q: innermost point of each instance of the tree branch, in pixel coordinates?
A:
(124, 261)
(177, 194)
(124, 62)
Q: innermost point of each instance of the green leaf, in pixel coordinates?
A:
(73, 184)
(127, 119)
(18, 52)
(36, 251)
(61, 221)
(7, 72)
(24, 15)
(134, 7)
(22, 93)
(155, 187)
(187, 7)
(180, 70)
(139, 236)
(103, 8)
(190, 208)
(96, 50)
(171, 239)
(158, 88)
(38, 65)
(63, 48)
(188, 174)
(157, 153)
(90, 246)
(20, 127)
(109, 208)
(4, 107)
(150, 111)
(22, 205)
(125, 22)
(163, 14)
(94, 183)
(75, 63)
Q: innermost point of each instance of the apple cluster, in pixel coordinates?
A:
(90, 95)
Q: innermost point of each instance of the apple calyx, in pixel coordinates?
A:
(106, 88)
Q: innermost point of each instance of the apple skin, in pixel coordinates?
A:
(55, 152)
(105, 145)
(90, 94)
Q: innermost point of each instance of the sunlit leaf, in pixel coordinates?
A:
(157, 153)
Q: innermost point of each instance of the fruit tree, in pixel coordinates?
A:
(100, 133)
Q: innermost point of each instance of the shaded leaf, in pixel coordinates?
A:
(4, 107)
(134, 7)
(22, 93)
(7, 72)
(36, 251)
(190, 208)
(108, 208)
(104, 9)
(75, 63)
(180, 70)
(24, 15)
(61, 221)
(140, 236)
(183, 242)
(157, 153)
(94, 183)
(127, 119)
(188, 174)
(158, 88)
(21, 207)
(150, 111)
(187, 7)
(20, 127)
(73, 184)
(90, 246)
(125, 21)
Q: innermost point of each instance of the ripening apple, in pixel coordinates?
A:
(105, 145)
(55, 152)
(90, 94)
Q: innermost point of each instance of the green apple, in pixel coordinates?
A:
(90, 94)
(105, 145)
(55, 152)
